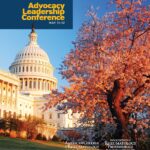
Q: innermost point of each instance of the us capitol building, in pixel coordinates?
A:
(23, 90)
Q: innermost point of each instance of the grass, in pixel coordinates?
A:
(7, 143)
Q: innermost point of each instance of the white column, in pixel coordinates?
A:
(1, 92)
(40, 84)
(50, 85)
(11, 91)
(36, 84)
(45, 85)
(16, 95)
(7, 100)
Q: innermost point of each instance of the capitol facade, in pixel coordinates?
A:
(23, 90)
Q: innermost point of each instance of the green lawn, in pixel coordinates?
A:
(20, 144)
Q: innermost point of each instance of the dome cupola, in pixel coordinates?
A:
(34, 69)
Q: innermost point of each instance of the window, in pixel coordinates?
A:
(48, 86)
(26, 69)
(39, 85)
(34, 86)
(50, 116)
(30, 86)
(25, 115)
(26, 83)
(20, 114)
(21, 86)
(58, 125)
(58, 115)
(29, 116)
(4, 114)
(9, 114)
(42, 116)
(43, 85)
(30, 69)
(19, 69)
(14, 115)
(23, 69)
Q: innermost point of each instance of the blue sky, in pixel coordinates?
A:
(57, 43)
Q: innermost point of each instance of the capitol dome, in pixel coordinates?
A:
(34, 69)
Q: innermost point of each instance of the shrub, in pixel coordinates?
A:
(56, 138)
(13, 134)
(23, 134)
(143, 145)
(72, 135)
(39, 137)
(44, 138)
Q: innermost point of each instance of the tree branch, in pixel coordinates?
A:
(143, 33)
(134, 37)
(135, 93)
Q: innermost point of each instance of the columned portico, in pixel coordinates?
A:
(29, 85)
(9, 86)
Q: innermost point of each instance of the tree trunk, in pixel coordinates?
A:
(114, 100)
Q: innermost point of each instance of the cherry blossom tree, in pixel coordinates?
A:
(109, 69)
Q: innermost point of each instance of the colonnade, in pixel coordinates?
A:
(37, 84)
(8, 94)
(31, 69)
(7, 114)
